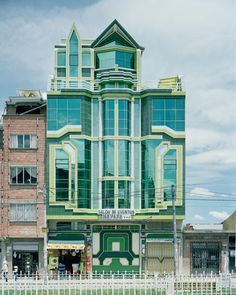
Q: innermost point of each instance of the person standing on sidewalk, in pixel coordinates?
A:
(5, 270)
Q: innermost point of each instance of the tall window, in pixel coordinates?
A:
(73, 56)
(123, 194)
(108, 194)
(169, 173)
(168, 112)
(61, 59)
(86, 59)
(62, 176)
(108, 117)
(123, 155)
(61, 64)
(23, 212)
(108, 158)
(23, 175)
(124, 117)
(23, 141)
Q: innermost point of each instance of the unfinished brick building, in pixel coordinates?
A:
(22, 160)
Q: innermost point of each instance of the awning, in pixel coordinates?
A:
(65, 244)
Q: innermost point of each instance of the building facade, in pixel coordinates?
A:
(22, 181)
(210, 248)
(115, 148)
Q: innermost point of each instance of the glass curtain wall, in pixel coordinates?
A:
(108, 117)
(116, 153)
(169, 173)
(108, 194)
(168, 112)
(124, 117)
(123, 158)
(123, 194)
(62, 176)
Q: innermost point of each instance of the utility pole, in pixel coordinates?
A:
(45, 230)
(173, 194)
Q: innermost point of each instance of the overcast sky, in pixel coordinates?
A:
(193, 38)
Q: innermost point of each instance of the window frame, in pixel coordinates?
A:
(11, 145)
(22, 208)
(23, 183)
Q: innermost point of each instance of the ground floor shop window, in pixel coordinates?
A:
(66, 261)
(205, 257)
(27, 262)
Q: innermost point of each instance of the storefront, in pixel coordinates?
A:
(66, 256)
(26, 257)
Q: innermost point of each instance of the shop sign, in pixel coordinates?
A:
(66, 246)
(111, 214)
(156, 240)
(44, 229)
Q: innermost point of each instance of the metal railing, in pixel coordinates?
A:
(118, 284)
(70, 84)
(92, 86)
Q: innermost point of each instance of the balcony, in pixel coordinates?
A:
(173, 84)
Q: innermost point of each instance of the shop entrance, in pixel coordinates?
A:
(65, 261)
(27, 262)
(205, 257)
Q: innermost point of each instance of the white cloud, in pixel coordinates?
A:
(219, 214)
(199, 191)
(199, 217)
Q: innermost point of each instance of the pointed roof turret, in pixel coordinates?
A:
(117, 34)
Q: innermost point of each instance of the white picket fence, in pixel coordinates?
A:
(120, 284)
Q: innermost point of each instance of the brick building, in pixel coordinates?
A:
(22, 156)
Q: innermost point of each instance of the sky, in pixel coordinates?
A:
(192, 38)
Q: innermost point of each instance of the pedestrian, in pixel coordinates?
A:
(5, 270)
(15, 272)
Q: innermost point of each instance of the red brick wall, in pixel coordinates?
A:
(25, 124)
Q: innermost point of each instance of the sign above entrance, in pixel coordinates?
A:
(114, 214)
(66, 245)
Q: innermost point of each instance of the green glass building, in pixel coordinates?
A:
(115, 149)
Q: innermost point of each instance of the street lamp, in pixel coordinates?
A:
(173, 194)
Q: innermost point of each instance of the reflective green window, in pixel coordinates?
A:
(61, 72)
(61, 59)
(105, 60)
(86, 59)
(84, 173)
(73, 60)
(62, 176)
(112, 58)
(168, 112)
(62, 112)
(123, 155)
(73, 43)
(148, 172)
(73, 55)
(73, 71)
(169, 173)
(123, 194)
(124, 117)
(108, 117)
(86, 72)
(108, 158)
(108, 194)
(125, 59)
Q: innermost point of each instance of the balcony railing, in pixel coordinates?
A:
(91, 86)
(69, 84)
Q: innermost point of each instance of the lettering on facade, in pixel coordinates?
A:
(111, 214)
